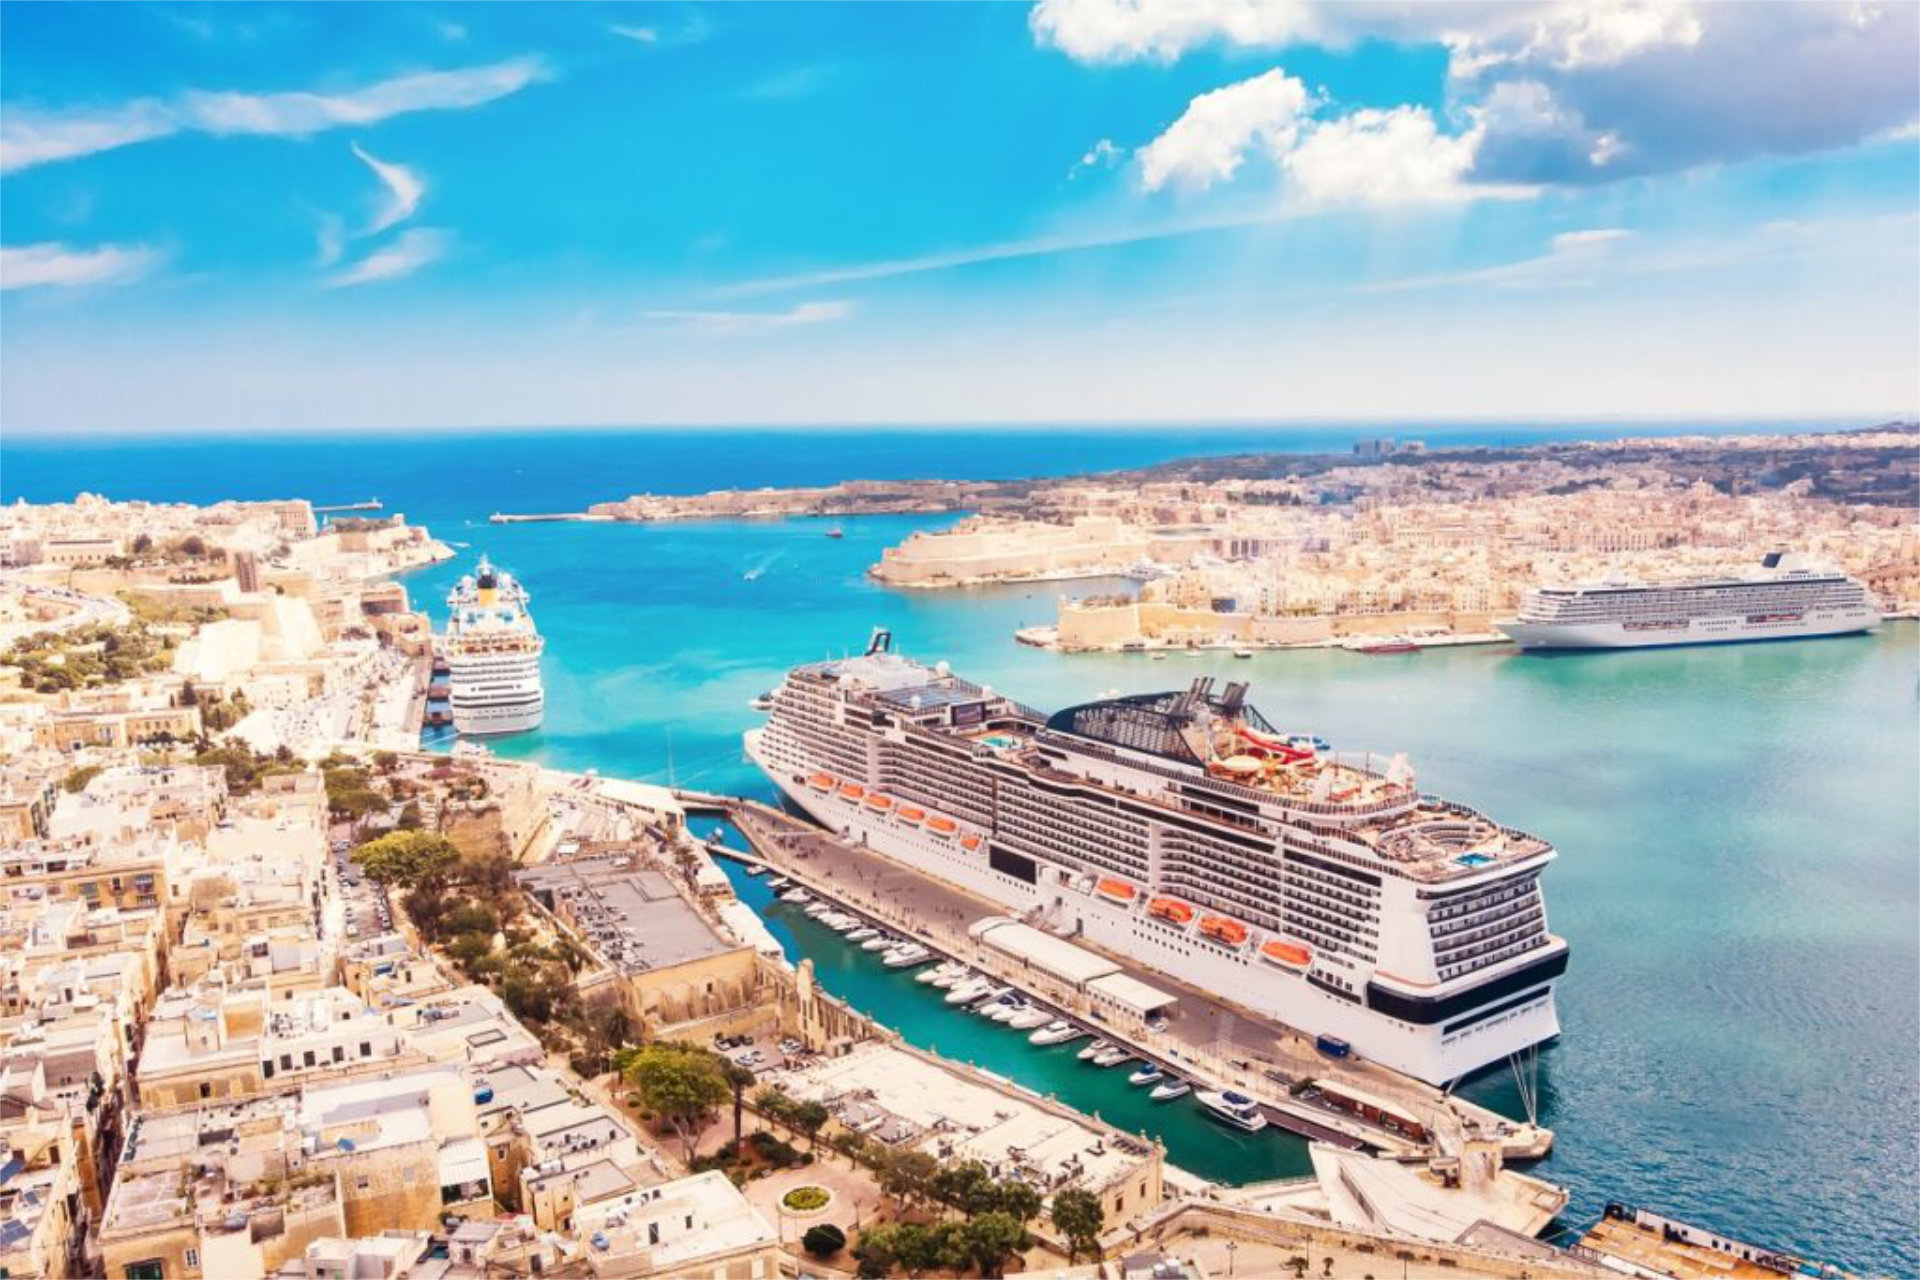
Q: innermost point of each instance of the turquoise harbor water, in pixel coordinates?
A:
(1738, 826)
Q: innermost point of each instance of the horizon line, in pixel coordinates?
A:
(70, 437)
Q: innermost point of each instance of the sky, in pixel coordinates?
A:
(245, 217)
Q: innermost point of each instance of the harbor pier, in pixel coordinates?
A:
(1211, 1040)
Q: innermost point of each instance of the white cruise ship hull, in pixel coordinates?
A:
(1708, 630)
(485, 719)
(1436, 1053)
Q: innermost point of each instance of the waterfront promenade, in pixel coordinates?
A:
(1210, 1039)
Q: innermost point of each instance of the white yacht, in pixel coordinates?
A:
(1236, 1109)
(1787, 598)
(493, 655)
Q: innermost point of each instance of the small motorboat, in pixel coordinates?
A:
(1094, 1050)
(861, 934)
(969, 991)
(819, 909)
(796, 896)
(1029, 1018)
(778, 882)
(1007, 1008)
(836, 532)
(1059, 1031)
(1113, 1057)
(880, 942)
(1236, 1109)
(907, 956)
(951, 969)
(1173, 1088)
(1243, 653)
(990, 1002)
(947, 981)
(1149, 1074)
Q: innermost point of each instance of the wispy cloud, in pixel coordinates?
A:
(997, 251)
(693, 30)
(409, 252)
(30, 137)
(330, 240)
(405, 188)
(733, 323)
(56, 265)
(1570, 260)
(794, 83)
(1101, 155)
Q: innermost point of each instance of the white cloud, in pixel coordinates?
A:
(29, 137)
(1565, 33)
(56, 265)
(404, 190)
(1571, 259)
(409, 252)
(642, 35)
(749, 322)
(329, 241)
(1128, 30)
(1367, 157)
(1101, 155)
(1379, 157)
(1211, 138)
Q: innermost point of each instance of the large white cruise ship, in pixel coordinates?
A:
(1183, 830)
(1788, 598)
(493, 655)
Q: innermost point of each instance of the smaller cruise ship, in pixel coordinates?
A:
(493, 655)
(1788, 598)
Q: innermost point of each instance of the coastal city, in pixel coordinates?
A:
(1087, 639)
(292, 996)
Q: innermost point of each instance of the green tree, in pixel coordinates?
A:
(1018, 1200)
(683, 1084)
(77, 779)
(990, 1239)
(738, 1078)
(1078, 1216)
(406, 858)
(906, 1176)
(809, 1117)
(876, 1252)
(966, 1186)
(142, 544)
(824, 1240)
(410, 818)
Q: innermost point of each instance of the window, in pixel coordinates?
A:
(151, 1269)
(193, 1257)
(206, 1089)
(366, 1048)
(339, 1053)
(309, 1057)
(266, 1068)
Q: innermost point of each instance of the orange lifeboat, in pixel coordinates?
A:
(821, 782)
(1117, 890)
(910, 815)
(852, 790)
(941, 826)
(1221, 929)
(970, 843)
(879, 803)
(1287, 955)
(1171, 910)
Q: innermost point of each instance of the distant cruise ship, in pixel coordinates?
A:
(1183, 830)
(1787, 598)
(493, 655)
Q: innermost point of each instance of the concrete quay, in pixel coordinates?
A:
(1212, 1040)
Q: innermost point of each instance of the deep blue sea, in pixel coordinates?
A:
(1739, 826)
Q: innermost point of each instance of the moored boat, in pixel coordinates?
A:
(1059, 1031)
(1173, 1088)
(1236, 1109)
(1147, 1074)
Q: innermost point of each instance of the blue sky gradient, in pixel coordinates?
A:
(248, 216)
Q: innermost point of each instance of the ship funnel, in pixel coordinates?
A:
(880, 642)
